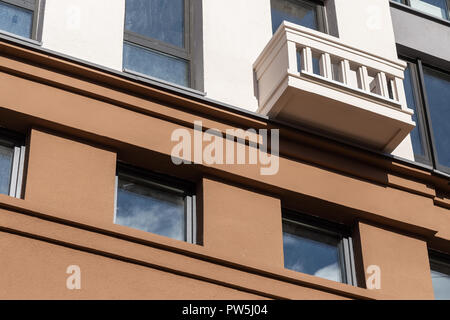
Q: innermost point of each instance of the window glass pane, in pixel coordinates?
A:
(159, 19)
(6, 159)
(16, 20)
(150, 208)
(416, 135)
(311, 252)
(156, 64)
(434, 7)
(437, 85)
(298, 12)
(440, 275)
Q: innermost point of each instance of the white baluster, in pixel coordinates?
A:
(363, 77)
(325, 66)
(345, 70)
(307, 64)
(292, 57)
(400, 92)
(382, 84)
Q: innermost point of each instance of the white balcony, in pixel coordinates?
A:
(314, 80)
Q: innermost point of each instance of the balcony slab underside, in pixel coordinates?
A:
(306, 102)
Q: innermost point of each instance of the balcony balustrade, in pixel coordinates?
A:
(315, 80)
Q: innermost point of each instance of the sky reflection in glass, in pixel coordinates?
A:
(434, 7)
(151, 209)
(311, 252)
(437, 85)
(16, 20)
(6, 158)
(158, 19)
(416, 135)
(155, 64)
(441, 285)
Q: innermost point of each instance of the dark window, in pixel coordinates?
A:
(309, 14)
(437, 8)
(317, 248)
(158, 40)
(155, 204)
(440, 275)
(437, 86)
(12, 158)
(428, 94)
(22, 17)
(414, 102)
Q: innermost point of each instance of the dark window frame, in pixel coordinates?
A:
(420, 111)
(192, 34)
(423, 106)
(345, 246)
(167, 183)
(429, 123)
(15, 141)
(320, 13)
(424, 113)
(37, 6)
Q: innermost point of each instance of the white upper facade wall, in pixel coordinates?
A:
(234, 34)
(367, 25)
(90, 30)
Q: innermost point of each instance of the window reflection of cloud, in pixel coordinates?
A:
(330, 272)
(151, 215)
(441, 285)
(311, 257)
(5, 169)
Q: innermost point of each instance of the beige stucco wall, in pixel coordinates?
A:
(234, 216)
(402, 259)
(33, 269)
(60, 176)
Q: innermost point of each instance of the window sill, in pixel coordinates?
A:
(20, 39)
(159, 82)
(416, 12)
(442, 174)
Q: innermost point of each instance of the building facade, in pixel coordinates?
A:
(258, 149)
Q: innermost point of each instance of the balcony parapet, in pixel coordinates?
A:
(314, 79)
